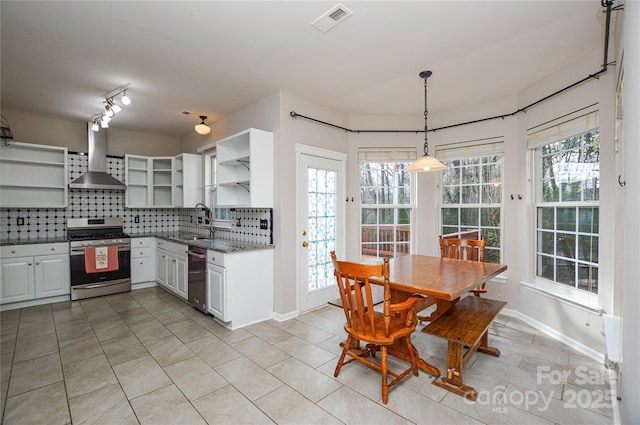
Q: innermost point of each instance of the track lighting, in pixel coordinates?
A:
(125, 99)
(111, 107)
(202, 127)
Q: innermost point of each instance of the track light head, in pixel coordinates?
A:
(125, 99)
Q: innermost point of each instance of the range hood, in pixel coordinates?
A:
(97, 177)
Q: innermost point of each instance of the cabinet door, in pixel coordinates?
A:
(161, 267)
(217, 291)
(172, 271)
(16, 280)
(181, 276)
(52, 275)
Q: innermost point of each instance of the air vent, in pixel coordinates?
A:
(331, 18)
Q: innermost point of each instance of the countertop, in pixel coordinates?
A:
(215, 244)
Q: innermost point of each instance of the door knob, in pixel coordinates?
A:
(305, 244)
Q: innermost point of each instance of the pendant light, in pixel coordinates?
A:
(427, 162)
(203, 128)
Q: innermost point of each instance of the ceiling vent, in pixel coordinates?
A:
(333, 17)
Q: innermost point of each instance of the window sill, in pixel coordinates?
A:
(583, 301)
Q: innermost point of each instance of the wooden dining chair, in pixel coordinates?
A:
(465, 249)
(377, 330)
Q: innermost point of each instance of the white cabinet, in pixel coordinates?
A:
(171, 267)
(245, 170)
(149, 181)
(33, 176)
(143, 265)
(240, 287)
(187, 191)
(34, 271)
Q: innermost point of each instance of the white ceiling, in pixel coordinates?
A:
(216, 57)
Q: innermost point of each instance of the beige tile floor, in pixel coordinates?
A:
(147, 357)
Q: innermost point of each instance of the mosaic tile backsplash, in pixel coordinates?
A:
(51, 222)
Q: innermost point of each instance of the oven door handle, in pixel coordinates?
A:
(80, 250)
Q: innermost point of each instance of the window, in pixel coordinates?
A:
(567, 188)
(220, 215)
(386, 203)
(471, 194)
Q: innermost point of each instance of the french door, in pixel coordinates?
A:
(320, 223)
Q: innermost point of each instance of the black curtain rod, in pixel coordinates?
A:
(605, 64)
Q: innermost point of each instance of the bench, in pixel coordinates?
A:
(465, 325)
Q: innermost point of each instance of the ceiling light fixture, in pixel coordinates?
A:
(427, 162)
(111, 108)
(125, 99)
(202, 127)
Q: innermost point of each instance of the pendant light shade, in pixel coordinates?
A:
(427, 162)
(203, 128)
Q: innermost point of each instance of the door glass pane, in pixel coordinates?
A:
(322, 226)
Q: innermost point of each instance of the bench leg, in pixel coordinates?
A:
(453, 381)
(484, 346)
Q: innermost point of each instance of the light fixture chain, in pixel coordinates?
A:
(426, 144)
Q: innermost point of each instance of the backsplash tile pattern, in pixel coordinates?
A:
(51, 222)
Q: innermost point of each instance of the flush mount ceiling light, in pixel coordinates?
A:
(202, 127)
(427, 162)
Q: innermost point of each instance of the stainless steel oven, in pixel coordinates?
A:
(85, 235)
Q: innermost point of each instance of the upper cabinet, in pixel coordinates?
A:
(245, 170)
(187, 180)
(163, 181)
(33, 175)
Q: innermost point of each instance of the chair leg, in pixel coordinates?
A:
(412, 354)
(347, 344)
(385, 385)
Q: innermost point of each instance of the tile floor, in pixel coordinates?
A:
(147, 357)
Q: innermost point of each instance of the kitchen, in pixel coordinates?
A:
(268, 112)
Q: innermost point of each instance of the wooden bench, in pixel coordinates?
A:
(465, 325)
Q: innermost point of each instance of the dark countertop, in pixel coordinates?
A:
(41, 240)
(215, 244)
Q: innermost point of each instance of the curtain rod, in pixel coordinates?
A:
(596, 75)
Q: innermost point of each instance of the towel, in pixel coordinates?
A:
(102, 259)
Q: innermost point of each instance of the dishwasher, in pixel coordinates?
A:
(197, 280)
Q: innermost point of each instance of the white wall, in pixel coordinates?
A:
(630, 45)
(31, 127)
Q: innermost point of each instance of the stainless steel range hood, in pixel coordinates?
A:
(97, 177)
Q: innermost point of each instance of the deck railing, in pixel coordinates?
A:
(386, 241)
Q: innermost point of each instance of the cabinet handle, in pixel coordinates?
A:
(37, 263)
(140, 252)
(30, 264)
(141, 263)
(13, 251)
(53, 249)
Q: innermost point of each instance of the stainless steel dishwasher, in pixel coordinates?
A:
(197, 282)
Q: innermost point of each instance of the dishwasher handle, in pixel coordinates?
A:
(195, 254)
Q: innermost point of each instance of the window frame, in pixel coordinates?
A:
(556, 285)
(387, 156)
(210, 166)
(467, 152)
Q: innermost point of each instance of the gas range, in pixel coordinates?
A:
(96, 232)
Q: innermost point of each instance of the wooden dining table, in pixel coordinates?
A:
(441, 281)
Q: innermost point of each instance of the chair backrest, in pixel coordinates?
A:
(463, 249)
(357, 299)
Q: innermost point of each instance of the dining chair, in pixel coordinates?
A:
(465, 249)
(377, 330)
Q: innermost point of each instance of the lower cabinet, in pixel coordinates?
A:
(30, 272)
(171, 267)
(142, 260)
(240, 287)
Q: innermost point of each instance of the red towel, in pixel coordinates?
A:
(103, 261)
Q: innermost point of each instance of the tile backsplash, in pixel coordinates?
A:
(90, 203)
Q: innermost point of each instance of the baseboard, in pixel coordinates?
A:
(31, 303)
(135, 286)
(587, 351)
(284, 317)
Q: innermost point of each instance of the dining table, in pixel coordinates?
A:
(440, 281)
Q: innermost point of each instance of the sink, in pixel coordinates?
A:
(193, 237)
